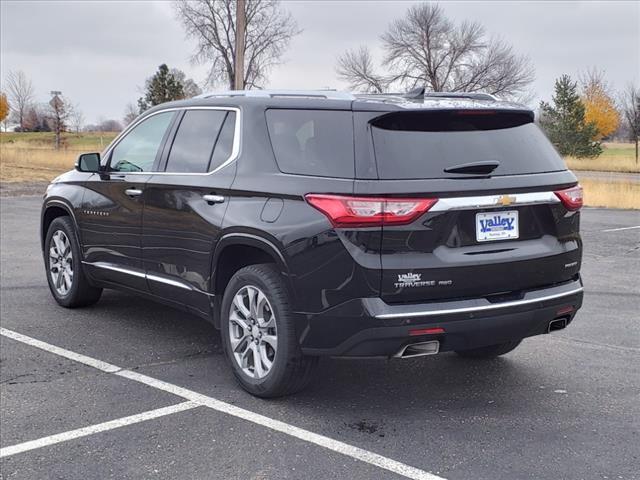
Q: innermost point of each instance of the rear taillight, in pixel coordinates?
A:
(344, 211)
(571, 197)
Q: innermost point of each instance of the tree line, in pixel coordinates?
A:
(19, 105)
(421, 48)
(585, 112)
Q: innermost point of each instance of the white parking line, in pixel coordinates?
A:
(92, 362)
(621, 229)
(595, 345)
(220, 406)
(101, 427)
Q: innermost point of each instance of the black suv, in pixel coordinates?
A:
(304, 224)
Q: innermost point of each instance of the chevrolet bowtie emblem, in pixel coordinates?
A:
(506, 200)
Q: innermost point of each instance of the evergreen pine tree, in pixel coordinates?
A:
(564, 122)
(162, 87)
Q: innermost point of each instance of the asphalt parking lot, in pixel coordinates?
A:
(562, 406)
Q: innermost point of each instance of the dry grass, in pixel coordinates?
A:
(30, 157)
(85, 141)
(626, 165)
(598, 193)
(29, 165)
(616, 157)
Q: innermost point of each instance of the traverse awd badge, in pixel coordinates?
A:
(415, 280)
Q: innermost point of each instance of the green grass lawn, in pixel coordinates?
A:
(90, 141)
(618, 150)
(616, 157)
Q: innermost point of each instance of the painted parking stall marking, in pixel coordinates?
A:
(77, 357)
(195, 399)
(101, 427)
(621, 229)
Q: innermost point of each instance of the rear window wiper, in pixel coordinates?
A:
(475, 168)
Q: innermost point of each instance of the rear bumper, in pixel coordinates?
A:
(371, 327)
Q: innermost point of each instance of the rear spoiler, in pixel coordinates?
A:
(453, 120)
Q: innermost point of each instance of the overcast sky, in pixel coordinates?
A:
(99, 53)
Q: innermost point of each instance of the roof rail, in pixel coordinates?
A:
(471, 95)
(328, 94)
(420, 93)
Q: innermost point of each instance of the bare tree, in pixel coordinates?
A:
(356, 67)
(37, 118)
(425, 48)
(130, 113)
(110, 125)
(594, 79)
(269, 29)
(76, 118)
(21, 94)
(189, 87)
(630, 102)
(59, 113)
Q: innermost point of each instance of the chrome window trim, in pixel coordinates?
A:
(235, 149)
(488, 201)
(514, 303)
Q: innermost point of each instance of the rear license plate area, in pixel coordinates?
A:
(492, 226)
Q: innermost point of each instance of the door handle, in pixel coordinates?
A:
(133, 192)
(213, 199)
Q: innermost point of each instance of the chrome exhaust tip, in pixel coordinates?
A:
(557, 324)
(419, 349)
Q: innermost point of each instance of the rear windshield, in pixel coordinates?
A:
(409, 145)
(312, 142)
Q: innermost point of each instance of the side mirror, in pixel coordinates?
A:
(88, 162)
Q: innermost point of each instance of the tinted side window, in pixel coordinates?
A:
(193, 145)
(137, 151)
(312, 142)
(224, 145)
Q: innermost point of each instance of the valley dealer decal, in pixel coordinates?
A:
(497, 223)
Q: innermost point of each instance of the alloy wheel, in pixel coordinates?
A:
(252, 332)
(61, 262)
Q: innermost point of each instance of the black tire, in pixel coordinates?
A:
(290, 370)
(80, 293)
(492, 351)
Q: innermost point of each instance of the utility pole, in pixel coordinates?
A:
(238, 83)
